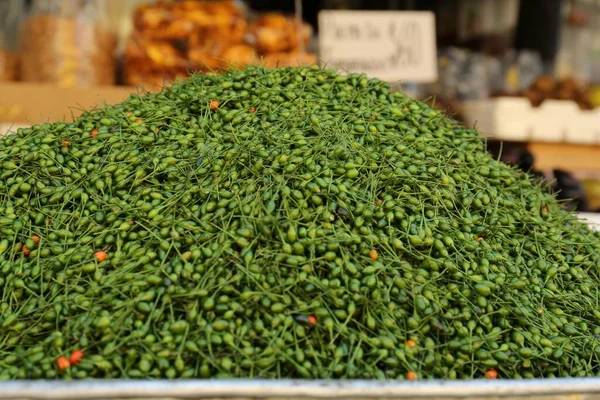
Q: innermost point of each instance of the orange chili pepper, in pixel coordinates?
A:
(252, 110)
(411, 343)
(214, 104)
(63, 363)
(412, 376)
(65, 143)
(26, 251)
(94, 133)
(101, 255)
(373, 254)
(379, 202)
(36, 239)
(479, 239)
(308, 320)
(138, 121)
(491, 374)
(76, 357)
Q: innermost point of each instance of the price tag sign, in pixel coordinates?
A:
(389, 45)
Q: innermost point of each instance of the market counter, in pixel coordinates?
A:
(547, 389)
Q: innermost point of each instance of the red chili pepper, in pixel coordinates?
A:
(63, 363)
(36, 239)
(26, 251)
(76, 357)
(252, 110)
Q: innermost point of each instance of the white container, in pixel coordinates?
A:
(514, 119)
(593, 219)
(502, 118)
(551, 120)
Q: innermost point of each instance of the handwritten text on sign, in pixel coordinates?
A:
(389, 45)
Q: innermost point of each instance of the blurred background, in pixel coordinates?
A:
(524, 72)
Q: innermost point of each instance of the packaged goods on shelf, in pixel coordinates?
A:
(173, 39)
(280, 41)
(68, 43)
(546, 87)
(11, 12)
(277, 33)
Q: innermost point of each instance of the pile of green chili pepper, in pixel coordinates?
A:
(288, 223)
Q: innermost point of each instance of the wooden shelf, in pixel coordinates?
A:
(570, 157)
(33, 103)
